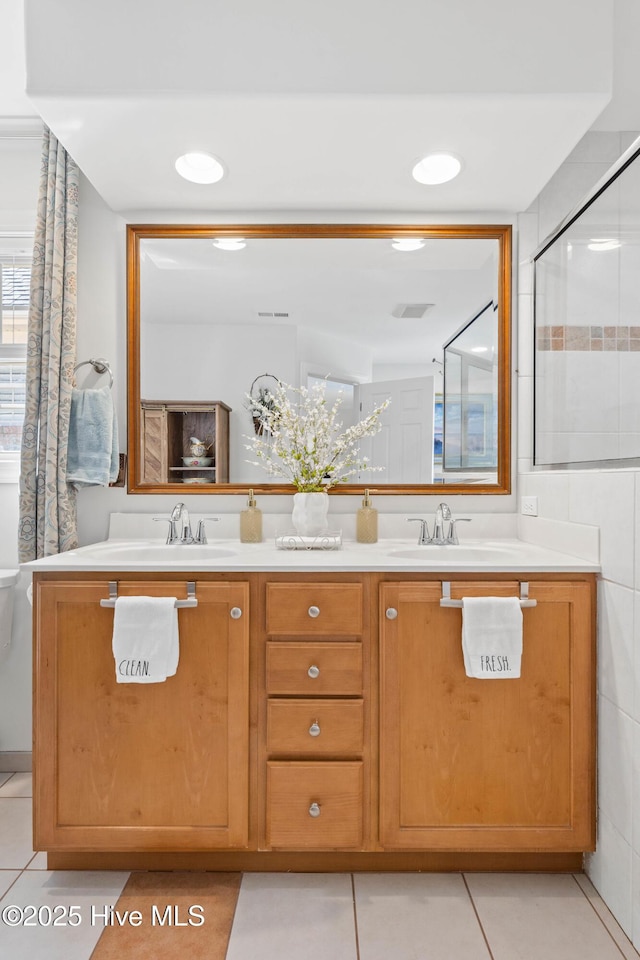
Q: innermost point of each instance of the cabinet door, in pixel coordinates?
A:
(471, 764)
(160, 766)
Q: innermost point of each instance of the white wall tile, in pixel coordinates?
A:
(527, 244)
(635, 787)
(552, 491)
(627, 137)
(635, 901)
(615, 775)
(607, 499)
(525, 416)
(525, 335)
(565, 190)
(616, 644)
(597, 146)
(609, 869)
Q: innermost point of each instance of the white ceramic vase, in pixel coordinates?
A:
(309, 515)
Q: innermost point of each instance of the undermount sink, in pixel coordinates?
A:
(457, 553)
(178, 553)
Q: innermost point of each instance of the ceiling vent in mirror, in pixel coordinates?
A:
(270, 313)
(411, 311)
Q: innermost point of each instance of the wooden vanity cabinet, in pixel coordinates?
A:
(324, 735)
(501, 765)
(135, 767)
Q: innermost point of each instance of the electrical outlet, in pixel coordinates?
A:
(529, 506)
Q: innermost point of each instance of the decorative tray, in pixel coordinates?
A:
(332, 540)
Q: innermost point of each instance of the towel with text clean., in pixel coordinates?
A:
(92, 454)
(145, 639)
(492, 637)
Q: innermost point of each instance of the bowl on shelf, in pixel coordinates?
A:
(197, 461)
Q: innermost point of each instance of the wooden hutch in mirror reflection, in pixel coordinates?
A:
(169, 429)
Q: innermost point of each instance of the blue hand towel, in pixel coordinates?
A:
(92, 456)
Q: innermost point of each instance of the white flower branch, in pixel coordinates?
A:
(303, 441)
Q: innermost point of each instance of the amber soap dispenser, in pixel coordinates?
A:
(367, 521)
(251, 522)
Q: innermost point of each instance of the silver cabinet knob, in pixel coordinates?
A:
(391, 613)
(236, 613)
(313, 671)
(314, 729)
(314, 611)
(314, 810)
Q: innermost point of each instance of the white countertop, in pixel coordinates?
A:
(392, 556)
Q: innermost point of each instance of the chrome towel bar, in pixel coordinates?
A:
(446, 600)
(191, 601)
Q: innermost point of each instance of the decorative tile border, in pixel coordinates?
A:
(599, 339)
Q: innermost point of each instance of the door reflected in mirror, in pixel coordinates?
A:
(426, 324)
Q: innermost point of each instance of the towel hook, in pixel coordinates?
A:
(99, 364)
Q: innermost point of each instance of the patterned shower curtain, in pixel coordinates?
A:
(47, 501)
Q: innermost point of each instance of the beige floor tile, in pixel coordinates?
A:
(294, 916)
(626, 947)
(16, 845)
(18, 786)
(4, 777)
(7, 877)
(39, 862)
(539, 917)
(409, 915)
(46, 889)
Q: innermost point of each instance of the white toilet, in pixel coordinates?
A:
(8, 580)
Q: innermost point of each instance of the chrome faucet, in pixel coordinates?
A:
(439, 538)
(180, 513)
(423, 537)
(442, 513)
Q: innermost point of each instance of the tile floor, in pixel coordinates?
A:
(315, 916)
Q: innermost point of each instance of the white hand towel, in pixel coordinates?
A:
(145, 639)
(492, 637)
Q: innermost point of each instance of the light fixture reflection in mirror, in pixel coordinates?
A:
(303, 302)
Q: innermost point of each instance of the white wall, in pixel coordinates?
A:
(611, 500)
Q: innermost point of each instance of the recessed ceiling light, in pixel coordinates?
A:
(604, 243)
(479, 349)
(407, 244)
(230, 243)
(200, 168)
(437, 168)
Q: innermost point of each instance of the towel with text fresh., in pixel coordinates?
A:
(145, 639)
(492, 637)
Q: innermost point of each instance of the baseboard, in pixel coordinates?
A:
(15, 761)
(319, 862)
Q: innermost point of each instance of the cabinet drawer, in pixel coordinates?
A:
(313, 669)
(295, 791)
(314, 609)
(329, 728)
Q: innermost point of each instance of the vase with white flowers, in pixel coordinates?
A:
(305, 443)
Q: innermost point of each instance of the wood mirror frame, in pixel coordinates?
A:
(501, 233)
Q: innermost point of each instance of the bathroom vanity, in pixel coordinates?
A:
(320, 717)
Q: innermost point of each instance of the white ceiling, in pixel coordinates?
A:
(315, 107)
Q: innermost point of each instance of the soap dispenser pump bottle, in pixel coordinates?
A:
(251, 522)
(367, 521)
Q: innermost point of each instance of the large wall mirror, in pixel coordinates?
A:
(420, 314)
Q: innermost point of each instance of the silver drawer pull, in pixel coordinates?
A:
(236, 613)
(313, 671)
(314, 611)
(314, 729)
(314, 810)
(391, 613)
